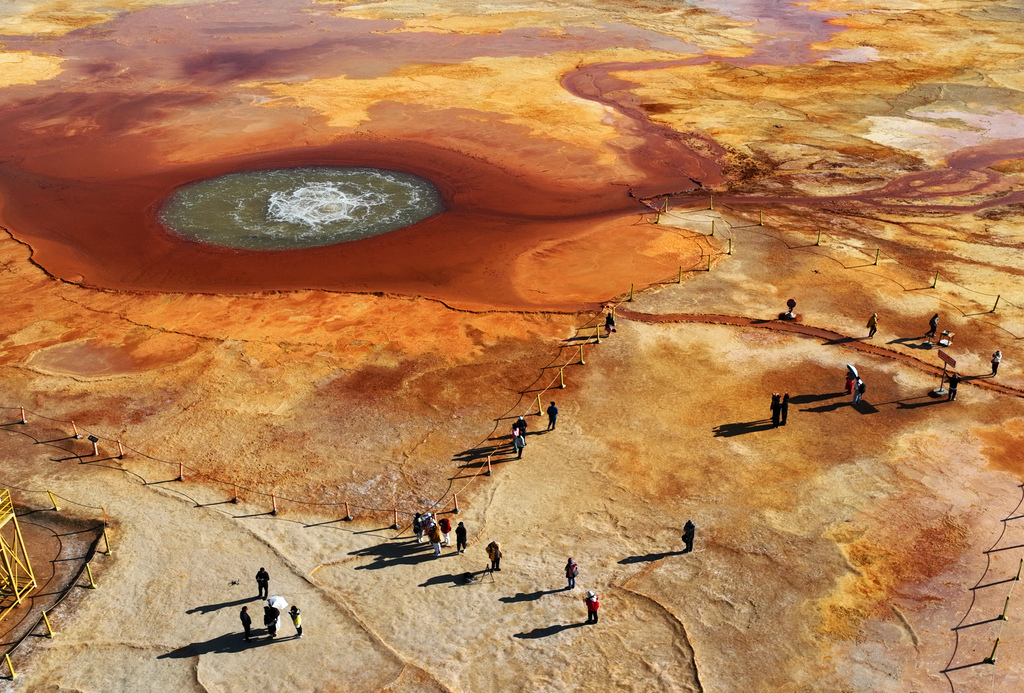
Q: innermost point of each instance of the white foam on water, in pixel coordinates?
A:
(299, 208)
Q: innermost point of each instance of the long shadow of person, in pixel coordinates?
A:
(738, 429)
(548, 630)
(532, 596)
(223, 644)
(208, 608)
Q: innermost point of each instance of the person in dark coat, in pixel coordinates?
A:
(997, 358)
(460, 538)
(776, 409)
(263, 583)
(933, 326)
(609, 325)
(784, 409)
(418, 527)
(246, 621)
(954, 380)
(552, 416)
(270, 616)
(689, 529)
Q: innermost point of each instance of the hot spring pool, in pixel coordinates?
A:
(285, 209)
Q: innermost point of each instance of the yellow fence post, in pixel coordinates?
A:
(582, 362)
(680, 275)
(818, 242)
(712, 205)
(55, 506)
(49, 628)
(106, 542)
(561, 379)
(730, 245)
(540, 410)
(877, 252)
(991, 659)
(92, 583)
(936, 280)
(760, 217)
(10, 666)
(712, 227)
(630, 292)
(709, 262)
(597, 333)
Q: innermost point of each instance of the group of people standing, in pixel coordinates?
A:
(780, 409)
(271, 614)
(439, 532)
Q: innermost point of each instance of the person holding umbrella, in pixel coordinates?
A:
(272, 611)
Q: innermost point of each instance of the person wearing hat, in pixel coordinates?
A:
(872, 325)
(592, 606)
(460, 538)
(296, 620)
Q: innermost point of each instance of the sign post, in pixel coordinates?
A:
(946, 360)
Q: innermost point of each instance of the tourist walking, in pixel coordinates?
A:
(776, 409)
(954, 380)
(460, 538)
(571, 571)
(933, 326)
(872, 325)
(609, 325)
(246, 621)
(784, 409)
(446, 528)
(417, 526)
(997, 358)
(270, 617)
(552, 416)
(494, 553)
(435, 539)
(518, 443)
(263, 583)
(592, 606)
(296, 620)
(858, 391)
(520, 425)
(689, 530)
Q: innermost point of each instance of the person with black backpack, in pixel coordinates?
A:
(858, 391)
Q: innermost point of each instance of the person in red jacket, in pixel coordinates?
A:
(446, 527)
(592, 606)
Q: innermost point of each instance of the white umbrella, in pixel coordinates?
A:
(278, 602)
(853, 371)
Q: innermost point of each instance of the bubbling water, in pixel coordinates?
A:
(285, 209)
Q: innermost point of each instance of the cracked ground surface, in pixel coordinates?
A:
(835, 553)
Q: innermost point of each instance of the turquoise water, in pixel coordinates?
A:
(284, 209)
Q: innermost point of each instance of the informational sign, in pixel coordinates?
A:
(947, 358)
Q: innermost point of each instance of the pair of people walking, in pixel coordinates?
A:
(859, 388)
(519, 436)
(780, 409)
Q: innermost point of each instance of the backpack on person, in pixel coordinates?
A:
(862, 388)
